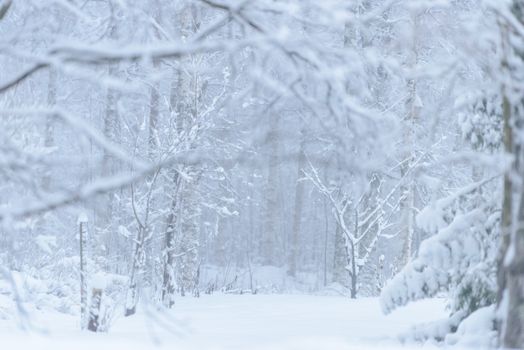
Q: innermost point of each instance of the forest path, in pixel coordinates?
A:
(291, 322)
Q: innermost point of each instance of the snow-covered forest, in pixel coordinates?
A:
(267, 174)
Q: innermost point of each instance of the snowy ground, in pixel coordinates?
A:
(237, 322)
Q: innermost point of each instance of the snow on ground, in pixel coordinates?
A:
(231, 322)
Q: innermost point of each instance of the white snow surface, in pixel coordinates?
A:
(476, 331)
(231, 322)
(82, 217)
(99, 280)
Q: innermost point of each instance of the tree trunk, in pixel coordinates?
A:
(153, 119)
(105, 210)
(168, 282)
(413, 106)
(49, 139)
(299, 206)
(326, 240)
(514, 266)
(188, 259)
(510, 262)
(138, 258)
(269, 235)
(94, 311)
(154, 110)
(82, 228)
(354, 272)
(340, 258)
(511, 258)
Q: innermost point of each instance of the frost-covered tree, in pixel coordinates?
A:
(259, 146)
(462, 216)
(510, 276)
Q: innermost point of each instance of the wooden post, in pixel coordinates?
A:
(82, 227)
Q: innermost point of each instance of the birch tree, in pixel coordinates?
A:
(510, 274)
